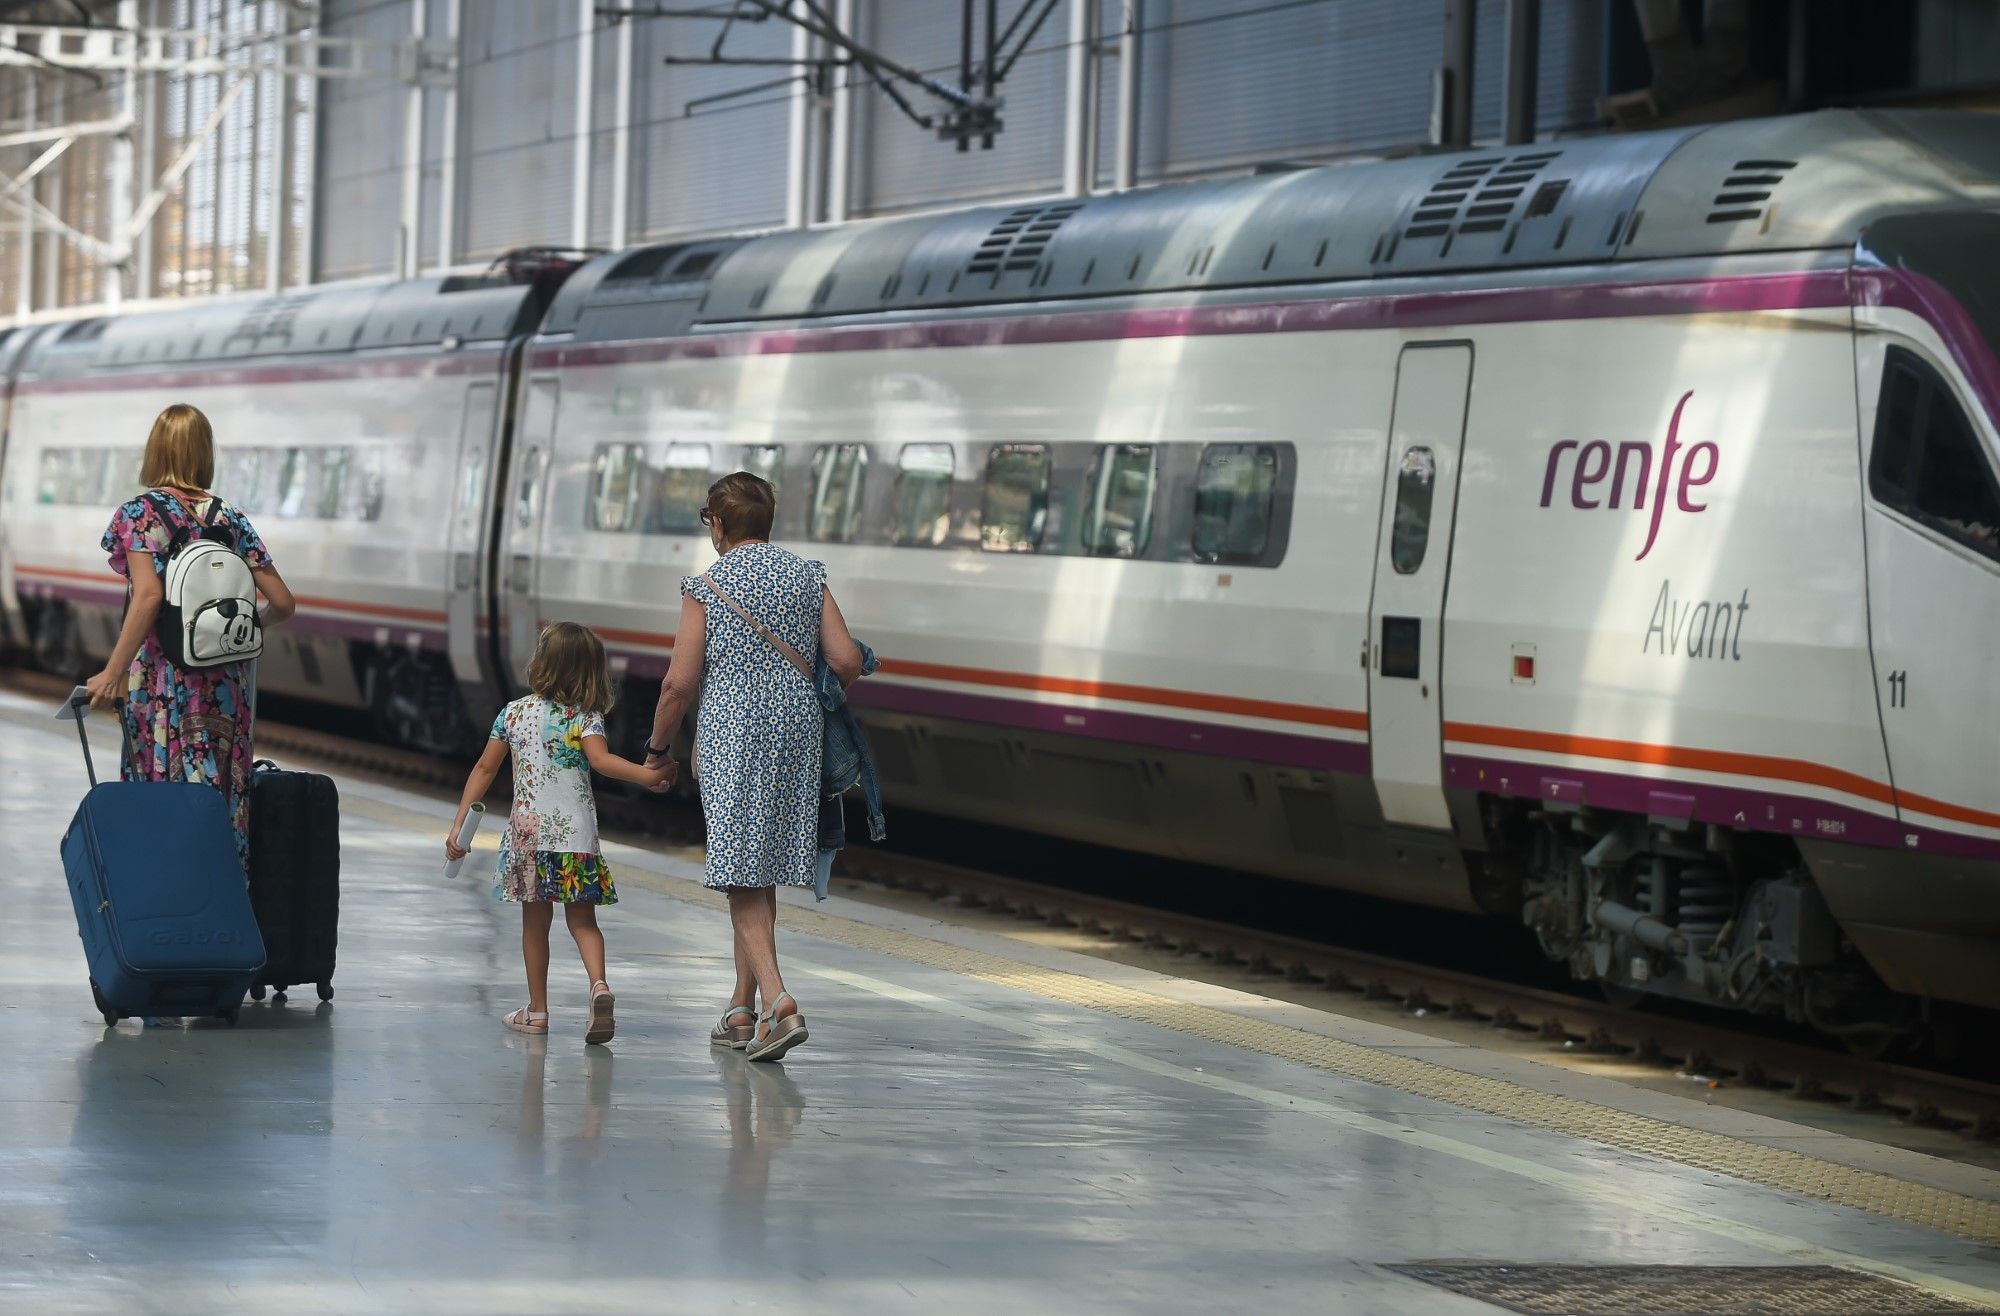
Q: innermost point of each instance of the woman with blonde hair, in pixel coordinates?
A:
(181, 724)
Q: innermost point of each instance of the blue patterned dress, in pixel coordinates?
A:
(185, 724)
(759, 728)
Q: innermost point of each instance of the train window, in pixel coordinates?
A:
(839, 473)
(1016, 505)
(125, 474)
(1927, 462)
(93, 475)
(241, 478)
(683, 490)
(471, 484)
(1235, 491)
(528, 498)
(920, 511)
(53, 483)
(333, 483)
(292, 484)
(1118, 500)
(1416, 481)
(614, 499)
(766, 460)
(374, 482)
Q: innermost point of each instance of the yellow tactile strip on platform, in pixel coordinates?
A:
(1771, 1167)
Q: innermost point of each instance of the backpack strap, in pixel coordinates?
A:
(770, 636)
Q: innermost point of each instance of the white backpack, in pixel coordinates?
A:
(209, 615)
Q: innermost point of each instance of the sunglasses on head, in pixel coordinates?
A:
(707, 516)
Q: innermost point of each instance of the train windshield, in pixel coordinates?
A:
(1958, 253)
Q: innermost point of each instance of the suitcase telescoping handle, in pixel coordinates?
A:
(79, 707)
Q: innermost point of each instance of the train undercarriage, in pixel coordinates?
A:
(1704, 914)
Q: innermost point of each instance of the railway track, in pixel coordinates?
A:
(1711, 1051)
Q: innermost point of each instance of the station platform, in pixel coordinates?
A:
(977, 1125)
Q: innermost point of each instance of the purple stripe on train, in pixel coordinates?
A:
(1738, 293)
(1729, 806)
(1282, 749)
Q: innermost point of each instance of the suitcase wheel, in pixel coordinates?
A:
(229, 1016)
(326, 991)
(103, 1006)
(278, 997)
(257, 991)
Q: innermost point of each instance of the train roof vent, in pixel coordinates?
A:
(1746, 192)
(1476, 196)
(697, 264)
(1020, 239)
(643, 264)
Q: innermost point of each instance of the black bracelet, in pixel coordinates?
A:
(652, 753)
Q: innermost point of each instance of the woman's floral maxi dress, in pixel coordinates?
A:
(549, 851)
(185, 724)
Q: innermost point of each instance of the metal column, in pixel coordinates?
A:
(1519, 97)
(145, 282)
(621, 140)
(1080, 100)
(123, 163)
(281, 169)
(411, 231)
(1452, 97)
(448, 180)
(1130, 21)
(798, 154)
(308, 174)
(586, 69)
(24, 294)
(840, 144)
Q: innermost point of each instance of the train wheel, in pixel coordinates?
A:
(1619, 996)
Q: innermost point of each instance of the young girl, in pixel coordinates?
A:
(549, 853)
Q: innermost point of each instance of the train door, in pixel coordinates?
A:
(1413, 561)
(520, 539)
(465, 610)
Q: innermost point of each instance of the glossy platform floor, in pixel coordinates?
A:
(954, 1138)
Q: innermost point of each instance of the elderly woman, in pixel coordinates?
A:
(181, 724)
(758, 735)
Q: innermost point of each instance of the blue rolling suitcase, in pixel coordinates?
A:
(160, 899)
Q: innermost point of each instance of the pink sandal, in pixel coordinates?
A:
(523, 1022)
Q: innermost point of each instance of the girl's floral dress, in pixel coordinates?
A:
(192, 724)
(549, 851)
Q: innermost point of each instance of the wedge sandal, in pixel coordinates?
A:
(735, 1037)
(520, 1021)
(603, 1023)
(780, 1035)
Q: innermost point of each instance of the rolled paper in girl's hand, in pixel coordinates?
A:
(466, 832)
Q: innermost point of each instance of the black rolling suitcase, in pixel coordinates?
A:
(295, 877)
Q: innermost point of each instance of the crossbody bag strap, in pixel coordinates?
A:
(772, 637)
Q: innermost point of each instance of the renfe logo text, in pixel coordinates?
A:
(1595, 462)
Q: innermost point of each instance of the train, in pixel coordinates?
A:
(1599, 535)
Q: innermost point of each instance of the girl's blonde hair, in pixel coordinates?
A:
(569, 668)
(180, 452)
